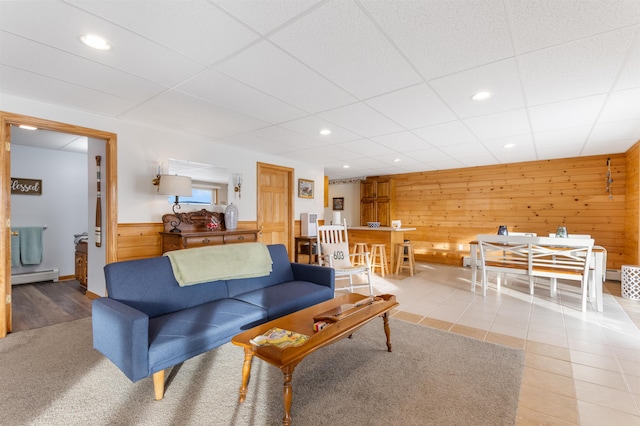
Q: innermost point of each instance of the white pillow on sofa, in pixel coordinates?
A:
(339, 253)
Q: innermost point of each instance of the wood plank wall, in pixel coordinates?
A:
(632, 208)
(450, 207)
(142, 240)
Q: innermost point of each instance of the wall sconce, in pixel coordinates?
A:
(178, 186)
(237, 185)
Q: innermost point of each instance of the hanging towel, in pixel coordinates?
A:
(31, 245)
(15, 247)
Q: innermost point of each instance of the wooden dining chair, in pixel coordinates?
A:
(333, 251)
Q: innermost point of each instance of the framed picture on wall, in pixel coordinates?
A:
(305, 188)
(338, 203)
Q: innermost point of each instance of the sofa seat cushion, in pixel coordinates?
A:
(180, 335)
(285, 298)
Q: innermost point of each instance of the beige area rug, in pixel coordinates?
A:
(52, 376)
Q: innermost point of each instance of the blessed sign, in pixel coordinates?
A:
(26, 186)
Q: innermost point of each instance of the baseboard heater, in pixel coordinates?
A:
(35, 277)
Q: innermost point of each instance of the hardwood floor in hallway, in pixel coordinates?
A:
(40, 304)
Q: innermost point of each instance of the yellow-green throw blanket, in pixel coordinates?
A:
(228, 261)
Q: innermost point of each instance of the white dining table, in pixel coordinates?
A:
(599, 257)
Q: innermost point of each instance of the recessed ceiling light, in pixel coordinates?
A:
(510, 145)
(481, 96)
(397, 160)
(325, 132)
(25, 127)
(95, 41)
(346, 166)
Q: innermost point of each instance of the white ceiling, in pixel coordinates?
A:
(393, 80)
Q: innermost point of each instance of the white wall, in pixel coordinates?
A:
(351, 194)
(62, 205)
(141, 147)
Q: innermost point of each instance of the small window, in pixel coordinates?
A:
(199, 196)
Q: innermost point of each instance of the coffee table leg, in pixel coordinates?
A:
(246, 372)
(287, 394)
(387, 330)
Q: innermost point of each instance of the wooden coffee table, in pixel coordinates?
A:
(286, 359)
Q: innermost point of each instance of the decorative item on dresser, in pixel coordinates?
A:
(195, 231)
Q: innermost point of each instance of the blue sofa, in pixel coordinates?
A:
(149, 323)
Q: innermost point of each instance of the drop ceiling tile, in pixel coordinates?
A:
(199, 31)
(629, 76)
(519, 142)
(348, 49)
(289, 138)
(59, 25)
(541, 24)
(361, 119)
(310, 126)
(456, 34)
(613, 147)
(499, 125)
(397, 159)
(72, 69)
(365, 147)
(178, 110)
(515, 156)
(466, 150)
(417, 168)
(219, 89)
(413, 107)
(582, 68)
(433, 156)
(571, 113)
(265, 16)
(621, 105)
(478, 161)
(271, 70)
(575, 137)
(452, 133)
(257, 144)
(367, 162)
(523, 148)
(559, 151)
(612, 131)
(45, 89)
(500, 78)
(402, 141)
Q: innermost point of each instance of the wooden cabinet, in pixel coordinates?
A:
(196, 234)
(178, 241)
(376, 201)
(81, 263)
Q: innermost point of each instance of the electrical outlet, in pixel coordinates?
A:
(460, 247)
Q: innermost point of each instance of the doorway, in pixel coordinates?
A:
(275, 204)
(108, 190)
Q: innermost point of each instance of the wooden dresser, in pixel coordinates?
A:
(81, 263)
(194, 232)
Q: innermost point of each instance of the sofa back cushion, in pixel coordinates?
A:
(281, 273)
(150, 286)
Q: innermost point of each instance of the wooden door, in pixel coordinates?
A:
(275, 205)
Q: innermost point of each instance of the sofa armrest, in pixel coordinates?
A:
(315, 274)
(121, 333)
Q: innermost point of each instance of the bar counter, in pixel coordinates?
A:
(383, 235)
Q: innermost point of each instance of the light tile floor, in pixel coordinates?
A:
(580, 367)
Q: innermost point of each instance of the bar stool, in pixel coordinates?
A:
(379, 258)
(405, 259)
(360, 250)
